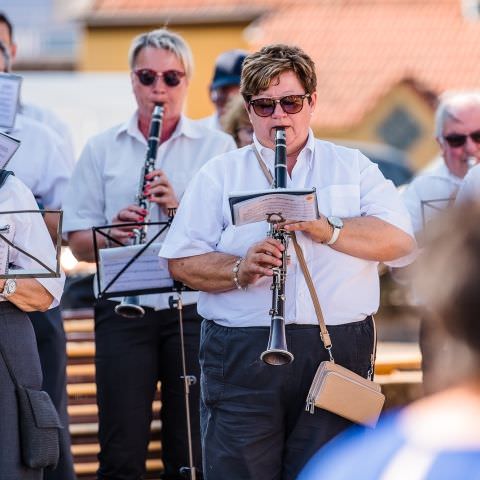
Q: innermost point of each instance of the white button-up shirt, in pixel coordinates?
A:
(106, 178)
(429, 193)
(39, 162)
(212, 121)
(470, 187)
(347, 185)
(56, 125)
(30, 233)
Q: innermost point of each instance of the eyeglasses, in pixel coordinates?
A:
(264, 107)
(456, 140)
(147, 76)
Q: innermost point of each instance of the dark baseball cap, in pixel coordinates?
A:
(228, 68)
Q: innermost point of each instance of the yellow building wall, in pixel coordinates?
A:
(421, 151)
(105, 49)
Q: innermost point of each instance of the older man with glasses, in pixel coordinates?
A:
(133, 355)
(457, 130)
(254, 423)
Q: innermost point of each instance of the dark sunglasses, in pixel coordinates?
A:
(264, 107)
(148, 77)
(458, 139)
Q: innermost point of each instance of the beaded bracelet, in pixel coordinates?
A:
(235, 270)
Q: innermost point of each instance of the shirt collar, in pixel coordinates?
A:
(307, 152)
(185, 126)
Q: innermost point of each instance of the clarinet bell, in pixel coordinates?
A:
(130, 308)
(276, 352)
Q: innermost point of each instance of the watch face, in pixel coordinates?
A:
(335, 222)
(10, 287)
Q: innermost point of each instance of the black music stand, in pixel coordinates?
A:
(106, 291)
(176, 288)
(188, 380)
(47, 272)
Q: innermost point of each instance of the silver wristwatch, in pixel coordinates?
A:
(337, 225)
(9, 288)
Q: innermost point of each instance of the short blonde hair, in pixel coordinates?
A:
(166, 40)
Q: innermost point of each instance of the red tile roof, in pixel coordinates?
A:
(192, 11)
(362, 48)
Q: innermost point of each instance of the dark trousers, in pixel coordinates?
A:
(132, 355)
(254, 423)
(51, 345)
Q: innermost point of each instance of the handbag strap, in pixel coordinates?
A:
(324, 335)
(8, 365)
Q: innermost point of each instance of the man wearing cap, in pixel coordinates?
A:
(225, 84)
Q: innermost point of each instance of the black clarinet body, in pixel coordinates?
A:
(130, 306)
(277, 352)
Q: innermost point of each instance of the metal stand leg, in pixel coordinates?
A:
(189, 472)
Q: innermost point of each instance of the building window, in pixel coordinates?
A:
(399, 129)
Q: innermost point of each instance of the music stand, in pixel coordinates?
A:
(108, 290)
(174, 302)
(188, 380)
(50, 272)
(434, 205)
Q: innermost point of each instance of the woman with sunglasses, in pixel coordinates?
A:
(133, 355)
(254, 423)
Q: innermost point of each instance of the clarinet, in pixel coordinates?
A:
(130, 306)
(277, 352)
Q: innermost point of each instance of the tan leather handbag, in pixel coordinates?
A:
(336, 388)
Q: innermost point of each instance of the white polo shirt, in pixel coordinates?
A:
(429, 193)
(347, 185)
(57, 126)
(29, 233)
(39, 162)
(107, 175)
(470, 187)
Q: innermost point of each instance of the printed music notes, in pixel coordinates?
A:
(147, 272)
(273, 205)
(8, 147)
(9, 99)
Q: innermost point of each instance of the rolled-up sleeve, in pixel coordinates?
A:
(198, 222)
(31, 235)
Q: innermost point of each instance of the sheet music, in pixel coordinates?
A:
(146, 272)
(8, 147)
(9, 98)
(250, 207)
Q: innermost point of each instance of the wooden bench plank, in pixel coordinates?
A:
(393, 356)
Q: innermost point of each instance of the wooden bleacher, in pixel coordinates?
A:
(82, 407)
(398, 369)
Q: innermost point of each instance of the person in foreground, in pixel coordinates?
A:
(253, 419)
(437, 437)
(17, 338)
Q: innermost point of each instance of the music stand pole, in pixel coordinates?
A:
(188, 380)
